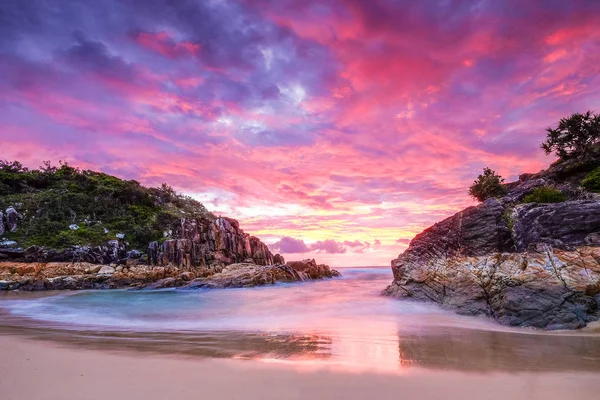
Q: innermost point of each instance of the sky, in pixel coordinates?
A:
(335, 130)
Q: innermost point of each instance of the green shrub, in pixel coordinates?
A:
(52, 198)
(574, 136)
(592, 181)
(487, 185)
(545, 194)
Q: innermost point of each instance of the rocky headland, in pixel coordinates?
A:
(523, 263)
(85, 276)
(64, 228)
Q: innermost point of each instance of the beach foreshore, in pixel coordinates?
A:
(32, 370)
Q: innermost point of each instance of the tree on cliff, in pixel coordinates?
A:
(488, 184)
(574, 136)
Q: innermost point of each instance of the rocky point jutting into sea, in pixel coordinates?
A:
(69, 229)
(520, 262)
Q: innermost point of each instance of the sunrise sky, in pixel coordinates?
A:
(331, 129)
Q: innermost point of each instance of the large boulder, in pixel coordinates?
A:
(522, 264)
(552, 289)
(278, 259)
(12, 219)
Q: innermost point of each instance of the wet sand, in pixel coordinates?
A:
(32, 370)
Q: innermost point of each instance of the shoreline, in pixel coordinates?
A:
(44, 370)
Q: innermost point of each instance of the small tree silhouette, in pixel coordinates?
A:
(488, 184)
(574, 136)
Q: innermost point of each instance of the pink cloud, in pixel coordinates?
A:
(329, 125)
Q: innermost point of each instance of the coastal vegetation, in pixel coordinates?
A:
(488, 184)
(62, 205)
(574, 137)
(576, 141)
(592, 181)
(545, 194)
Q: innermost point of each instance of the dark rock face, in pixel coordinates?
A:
(312, 270)
(278, 259)
(2, 223)
(562, 225)
(522, 264)
(206, 242)
(473, 231)
(114, 251)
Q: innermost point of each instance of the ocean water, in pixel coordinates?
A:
(338, 323)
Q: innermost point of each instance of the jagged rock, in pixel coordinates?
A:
(553, 289)
(278, 259)
(12, 219)
(2, 223)
(83, 275)
(562, 225)
(249, 275)
(311, 270)
(474, 231)
(204, 242)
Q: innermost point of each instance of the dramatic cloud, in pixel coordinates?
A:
(337, 127)
(329, 246)
(288, 245)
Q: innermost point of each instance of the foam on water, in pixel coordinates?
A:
(337, 304)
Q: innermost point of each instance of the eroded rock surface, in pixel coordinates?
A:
(248, 275)
(522, 264)
(553, 289)
(77, 276)
(205, 242)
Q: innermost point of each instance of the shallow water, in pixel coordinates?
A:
(340, 323)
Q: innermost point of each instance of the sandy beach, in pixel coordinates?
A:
(32, 370)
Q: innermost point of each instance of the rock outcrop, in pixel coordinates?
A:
(278, 259)
(113, 252)
(204, 243)
(82, 275)
(249, 275)
(12, 219)
(522, 264)
(311, 270)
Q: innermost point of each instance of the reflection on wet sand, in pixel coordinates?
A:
(342, 324)
(487, 351)
(230, 344)
(453, 349)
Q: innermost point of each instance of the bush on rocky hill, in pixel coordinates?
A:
(63, 206)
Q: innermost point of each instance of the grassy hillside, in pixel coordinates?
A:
(52, 198)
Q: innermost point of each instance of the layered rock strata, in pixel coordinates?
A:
(525, 264)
